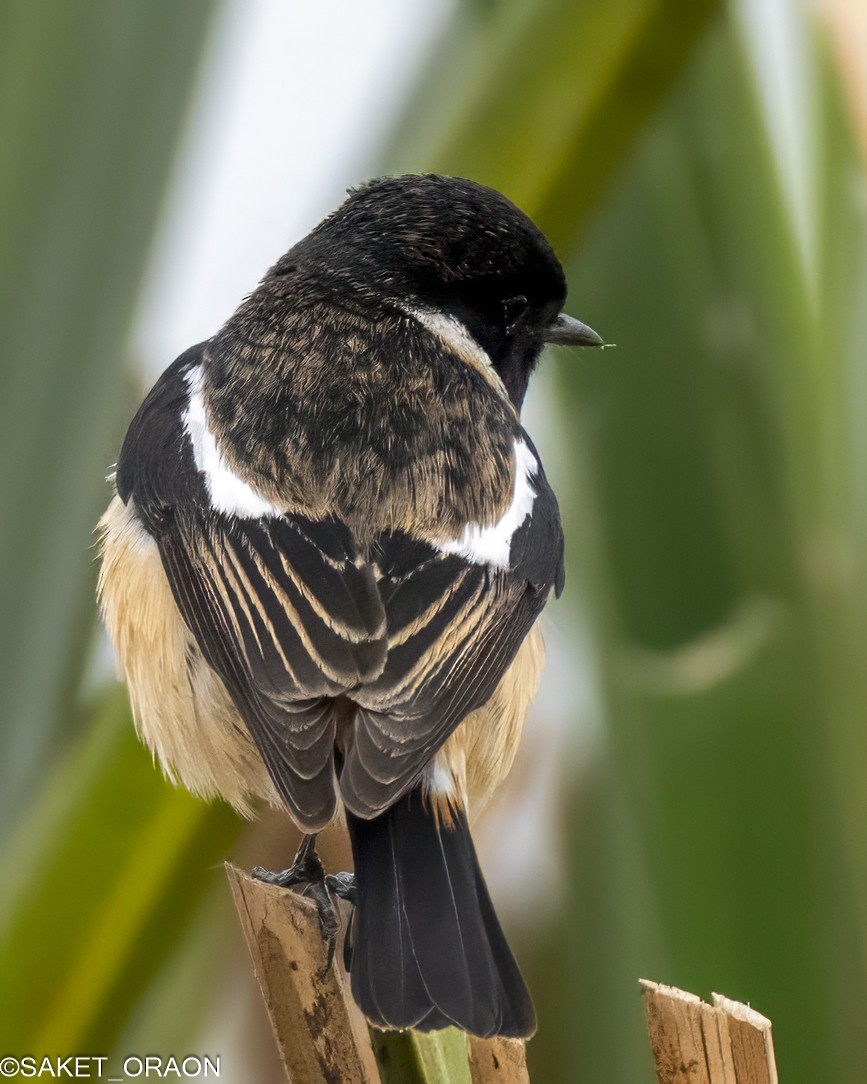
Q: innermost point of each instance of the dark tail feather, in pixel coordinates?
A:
(427, 950)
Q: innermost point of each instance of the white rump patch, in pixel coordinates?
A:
(228, 492)
(492, 545)
(438, 778)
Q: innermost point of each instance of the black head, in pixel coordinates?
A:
(449, 245)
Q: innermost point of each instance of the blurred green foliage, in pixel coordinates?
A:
(712, 482)
(715, 545)
(101, 879)
(91, 103)
(102, 863)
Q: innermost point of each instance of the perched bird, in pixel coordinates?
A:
(324, 565)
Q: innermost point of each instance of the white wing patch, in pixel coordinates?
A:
(492, 545)
(228, 492)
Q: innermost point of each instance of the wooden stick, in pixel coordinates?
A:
(751, 1043)
(696, 1043)
(498, 1061)
(321, 1033)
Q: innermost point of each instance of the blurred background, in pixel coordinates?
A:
(690, 805)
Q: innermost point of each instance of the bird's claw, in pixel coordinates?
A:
(342, 885)
(307, 877)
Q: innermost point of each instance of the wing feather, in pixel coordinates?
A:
(454, 628)
(432, 680)
(237, 585)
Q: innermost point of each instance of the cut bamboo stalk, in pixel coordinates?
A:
(751, 1043)
(498, 1061)
(695, 1043)
(321, 1034)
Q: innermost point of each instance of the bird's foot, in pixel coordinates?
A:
(307, 877)
(342, 885)
(306, 868)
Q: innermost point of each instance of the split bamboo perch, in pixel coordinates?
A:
(696, 1043)
(320, 1032)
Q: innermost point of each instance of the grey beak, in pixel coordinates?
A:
(567, 331)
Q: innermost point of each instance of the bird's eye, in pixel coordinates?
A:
(513, 309)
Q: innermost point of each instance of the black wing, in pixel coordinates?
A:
(286, 614)
(454, 628)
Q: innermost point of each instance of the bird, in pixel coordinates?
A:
(324, 563)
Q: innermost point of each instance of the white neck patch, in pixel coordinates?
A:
(228, 492)
(493, 545)
(453, 334)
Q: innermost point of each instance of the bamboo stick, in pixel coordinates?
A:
(498, 1061)
(321, 1034)
(695, 1043)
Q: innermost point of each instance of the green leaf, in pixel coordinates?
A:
(100, 883)
(94, 96)
(711, 532)
(543, 100)
(412, 1057)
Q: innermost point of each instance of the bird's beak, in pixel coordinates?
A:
(567, 331)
